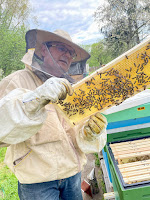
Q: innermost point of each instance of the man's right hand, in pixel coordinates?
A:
(52, 90)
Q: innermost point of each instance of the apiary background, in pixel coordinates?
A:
(123, 77)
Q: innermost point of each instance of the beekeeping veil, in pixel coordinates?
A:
(33, 58)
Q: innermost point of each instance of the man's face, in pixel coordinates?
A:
(60, 59)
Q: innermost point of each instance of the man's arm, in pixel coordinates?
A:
(22, 112)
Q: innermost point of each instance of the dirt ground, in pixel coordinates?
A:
(88, 168)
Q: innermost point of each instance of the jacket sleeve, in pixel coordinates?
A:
(16, 125)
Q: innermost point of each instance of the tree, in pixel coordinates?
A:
(125, 23)
(100, 55)
(12, 49)
(14, 15)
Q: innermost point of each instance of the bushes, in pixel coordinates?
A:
(8, 181)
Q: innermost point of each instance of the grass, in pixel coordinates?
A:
(97, 162)
(101, 183)
(8, 181)
(100, 179)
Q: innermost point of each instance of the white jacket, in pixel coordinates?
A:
(42, 147)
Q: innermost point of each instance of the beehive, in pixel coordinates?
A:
(121, 78)
(133, 160)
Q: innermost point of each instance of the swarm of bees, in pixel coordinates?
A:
(110, 85)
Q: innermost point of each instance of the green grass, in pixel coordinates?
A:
(8, 181)
(97, 162)
(100, 176)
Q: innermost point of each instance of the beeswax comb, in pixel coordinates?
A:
(110, 85)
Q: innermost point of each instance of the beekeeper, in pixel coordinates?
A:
(44, 152)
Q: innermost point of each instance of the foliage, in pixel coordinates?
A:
(14, 13)
(100, 55)
(12, 49)
(14, 16)
(102, 183)
(8, 181)
(97, 162)
(100, 174)
(125, 23)
(87, 47)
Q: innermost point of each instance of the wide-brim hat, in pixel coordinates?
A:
(35, 38)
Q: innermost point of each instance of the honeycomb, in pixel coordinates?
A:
(110, 85)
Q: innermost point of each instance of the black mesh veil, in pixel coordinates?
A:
(78, 68)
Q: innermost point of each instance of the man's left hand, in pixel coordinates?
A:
(94, 126)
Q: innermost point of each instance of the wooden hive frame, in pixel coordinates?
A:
(131, 151)
(110, 85)
(126, 153)
(135, 172)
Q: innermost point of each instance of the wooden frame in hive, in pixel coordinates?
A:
(110, 85)
(133, 158)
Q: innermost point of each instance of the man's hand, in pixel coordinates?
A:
(52, 90)
(94, 126)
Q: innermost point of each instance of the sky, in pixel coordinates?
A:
(73, 16)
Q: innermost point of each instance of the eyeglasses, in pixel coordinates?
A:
(63, 49)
